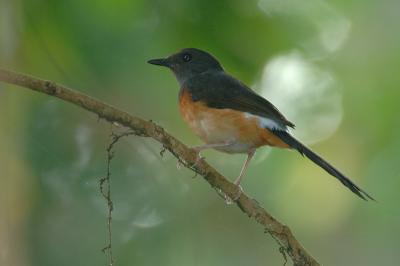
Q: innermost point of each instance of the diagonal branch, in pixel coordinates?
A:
(280, 232)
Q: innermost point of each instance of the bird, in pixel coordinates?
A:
(230, 117)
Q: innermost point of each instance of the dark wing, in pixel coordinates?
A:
(220, 90)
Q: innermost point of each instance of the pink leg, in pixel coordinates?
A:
(246, 163)
(200, 148)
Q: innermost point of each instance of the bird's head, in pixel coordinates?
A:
(188, 62)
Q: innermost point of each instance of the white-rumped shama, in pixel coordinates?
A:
(230, 117)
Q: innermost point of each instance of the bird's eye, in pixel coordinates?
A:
(187, 57)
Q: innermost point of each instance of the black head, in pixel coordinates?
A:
(188, 63)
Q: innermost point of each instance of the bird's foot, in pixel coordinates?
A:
(229, 200)
(239, 192)
(199, 157)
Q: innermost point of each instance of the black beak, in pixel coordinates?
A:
(159, 62)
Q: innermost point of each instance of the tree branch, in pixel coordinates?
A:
(280, 232)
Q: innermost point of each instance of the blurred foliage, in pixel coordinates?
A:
(331, 66)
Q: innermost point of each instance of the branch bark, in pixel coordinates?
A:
(280, 232)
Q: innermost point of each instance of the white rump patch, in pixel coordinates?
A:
(266, 122)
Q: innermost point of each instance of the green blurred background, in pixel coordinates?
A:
(330, 66)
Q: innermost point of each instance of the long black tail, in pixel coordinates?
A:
(295, 144)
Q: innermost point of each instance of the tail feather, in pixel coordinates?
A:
(303, 150)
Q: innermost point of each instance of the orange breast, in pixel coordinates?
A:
(226, 125)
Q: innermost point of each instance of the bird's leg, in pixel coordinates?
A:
(250, 155)
(200, 148)
(244, 167)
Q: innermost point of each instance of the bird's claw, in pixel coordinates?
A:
(239, 193)
(229, 200)
(199, 158)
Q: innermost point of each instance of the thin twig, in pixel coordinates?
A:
(107, 193)
(185, 155)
